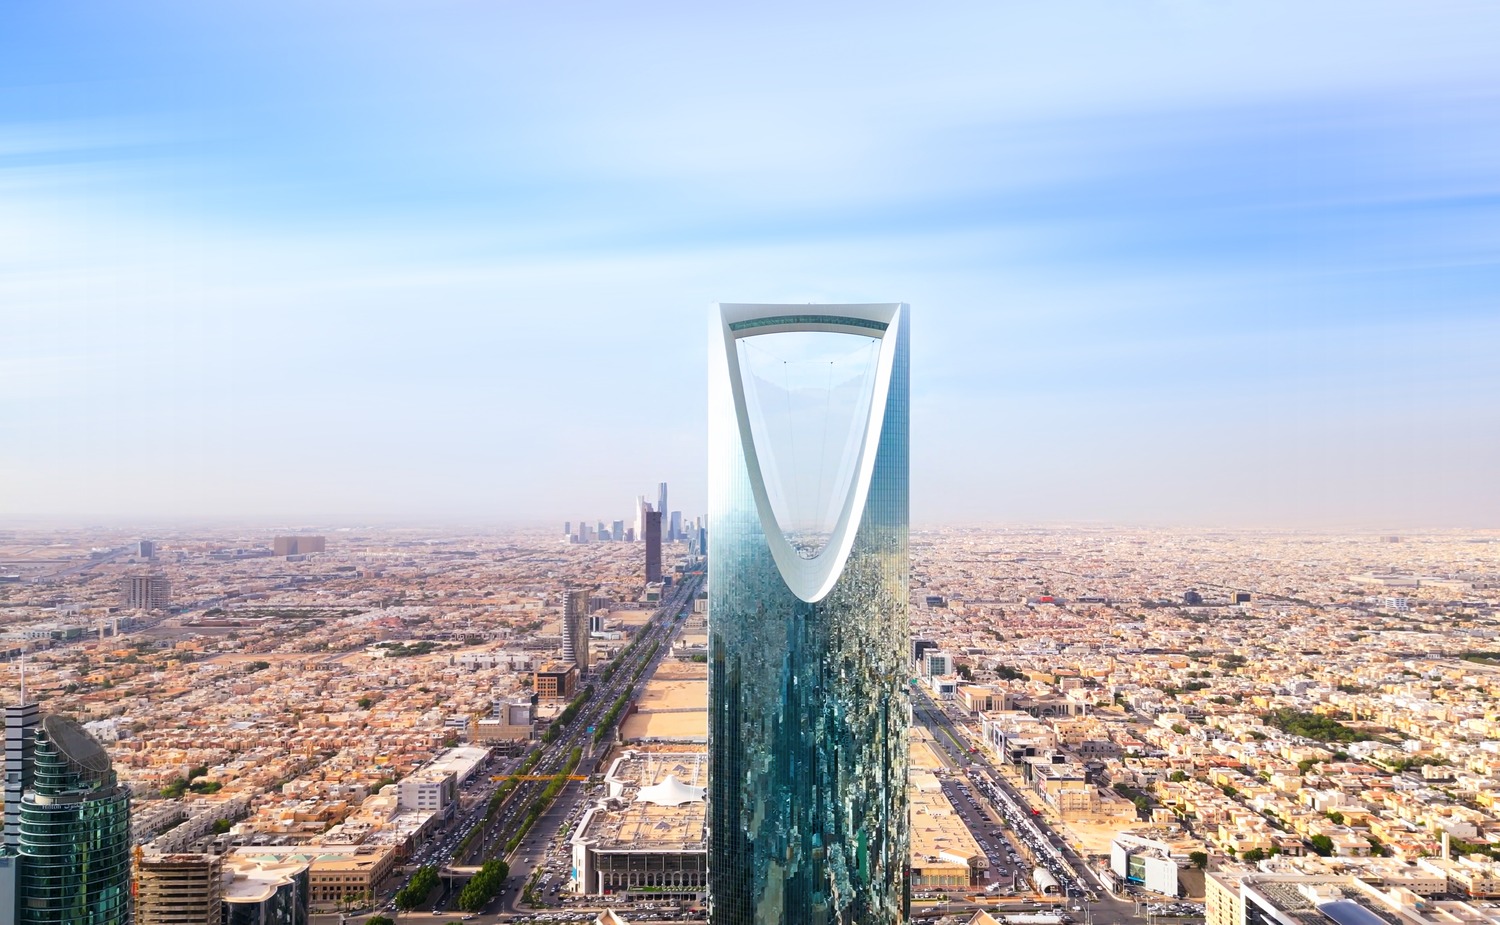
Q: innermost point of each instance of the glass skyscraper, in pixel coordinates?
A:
(808, 574)
(75, 833)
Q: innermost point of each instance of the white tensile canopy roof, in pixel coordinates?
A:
(671, 792)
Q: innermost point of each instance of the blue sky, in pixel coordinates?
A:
(1176, 262)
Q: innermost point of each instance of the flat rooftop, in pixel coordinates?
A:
(686, 694)
(936, 827)
(327, 857)
(252, 880)
(1290, 898)
(666, 727)
(627, 823)
(460, 762)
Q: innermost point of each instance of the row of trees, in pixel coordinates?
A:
(605, 722)
(1321, 844)
(576, 704)
(178, 786)
(497, 799)
(541, 803)
(568, 714)
(402, 650)
(422, 882)
(614, 665)
(1141, 801)
(530, 896)
(483, 886)
(645, 660)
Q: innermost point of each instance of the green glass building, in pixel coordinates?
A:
(807, 616)
(75, 833)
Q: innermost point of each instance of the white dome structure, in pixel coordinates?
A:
(671, 792)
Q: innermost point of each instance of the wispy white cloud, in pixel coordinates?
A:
(431, 253)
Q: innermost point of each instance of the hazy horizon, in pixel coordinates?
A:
(148, 528)
(1176, 264)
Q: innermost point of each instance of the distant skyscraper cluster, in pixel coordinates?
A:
(674, 527)
(652, 526)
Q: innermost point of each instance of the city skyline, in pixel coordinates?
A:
(1188, 264)
(1149, 711)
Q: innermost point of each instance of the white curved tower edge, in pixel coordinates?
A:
(809, 579)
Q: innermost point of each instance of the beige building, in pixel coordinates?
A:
(944, 853)
(298, 545)
(976, 699)
(336, 873)
(1065, 788)
(647, 836)
(177, 889)
(333, 878)
(510, 727)
(145, 592)
(1221, 897)
(1473, 876)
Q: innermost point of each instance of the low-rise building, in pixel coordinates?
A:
(555, 681)
(647, 837)
(977, 699)
(336, 874)
(264, 890)
(434, 787)
(1155, 864)
(177, 889)
(511, 726)
(944, 853)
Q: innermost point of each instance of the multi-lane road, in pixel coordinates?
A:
(1015, 840)
(983, 792)
(532, 851)
(578, 734)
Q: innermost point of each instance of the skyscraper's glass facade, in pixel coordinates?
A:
(75, 833)
(808, 577)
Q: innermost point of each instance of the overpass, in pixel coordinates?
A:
(455, 876)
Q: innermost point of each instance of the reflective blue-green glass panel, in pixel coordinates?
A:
(808, 704)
